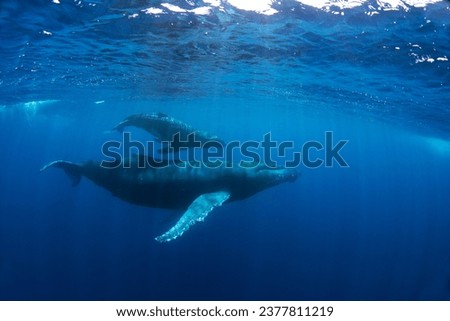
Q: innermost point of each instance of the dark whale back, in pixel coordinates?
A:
(176, 186)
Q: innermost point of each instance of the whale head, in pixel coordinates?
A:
(262, 177)
(278, 175)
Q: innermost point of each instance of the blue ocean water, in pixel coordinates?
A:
(376, 75)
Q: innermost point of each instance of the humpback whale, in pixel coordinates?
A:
(195, 190)
(180, 185)
(164, 127)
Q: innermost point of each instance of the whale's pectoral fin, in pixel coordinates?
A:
(72, 170)
(196, 212)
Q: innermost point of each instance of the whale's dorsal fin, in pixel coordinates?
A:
(197, 212)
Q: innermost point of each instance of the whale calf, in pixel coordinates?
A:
(195, 190)
(164, 127)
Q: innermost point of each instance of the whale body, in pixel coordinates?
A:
(163, 127)
(195, 189)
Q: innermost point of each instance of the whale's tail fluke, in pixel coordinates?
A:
(72, 170)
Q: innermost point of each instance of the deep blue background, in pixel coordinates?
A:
(378, 230)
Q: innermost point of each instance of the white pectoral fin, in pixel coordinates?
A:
(196, 212)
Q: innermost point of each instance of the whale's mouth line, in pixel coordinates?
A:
(281, 175)
(293, 177)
